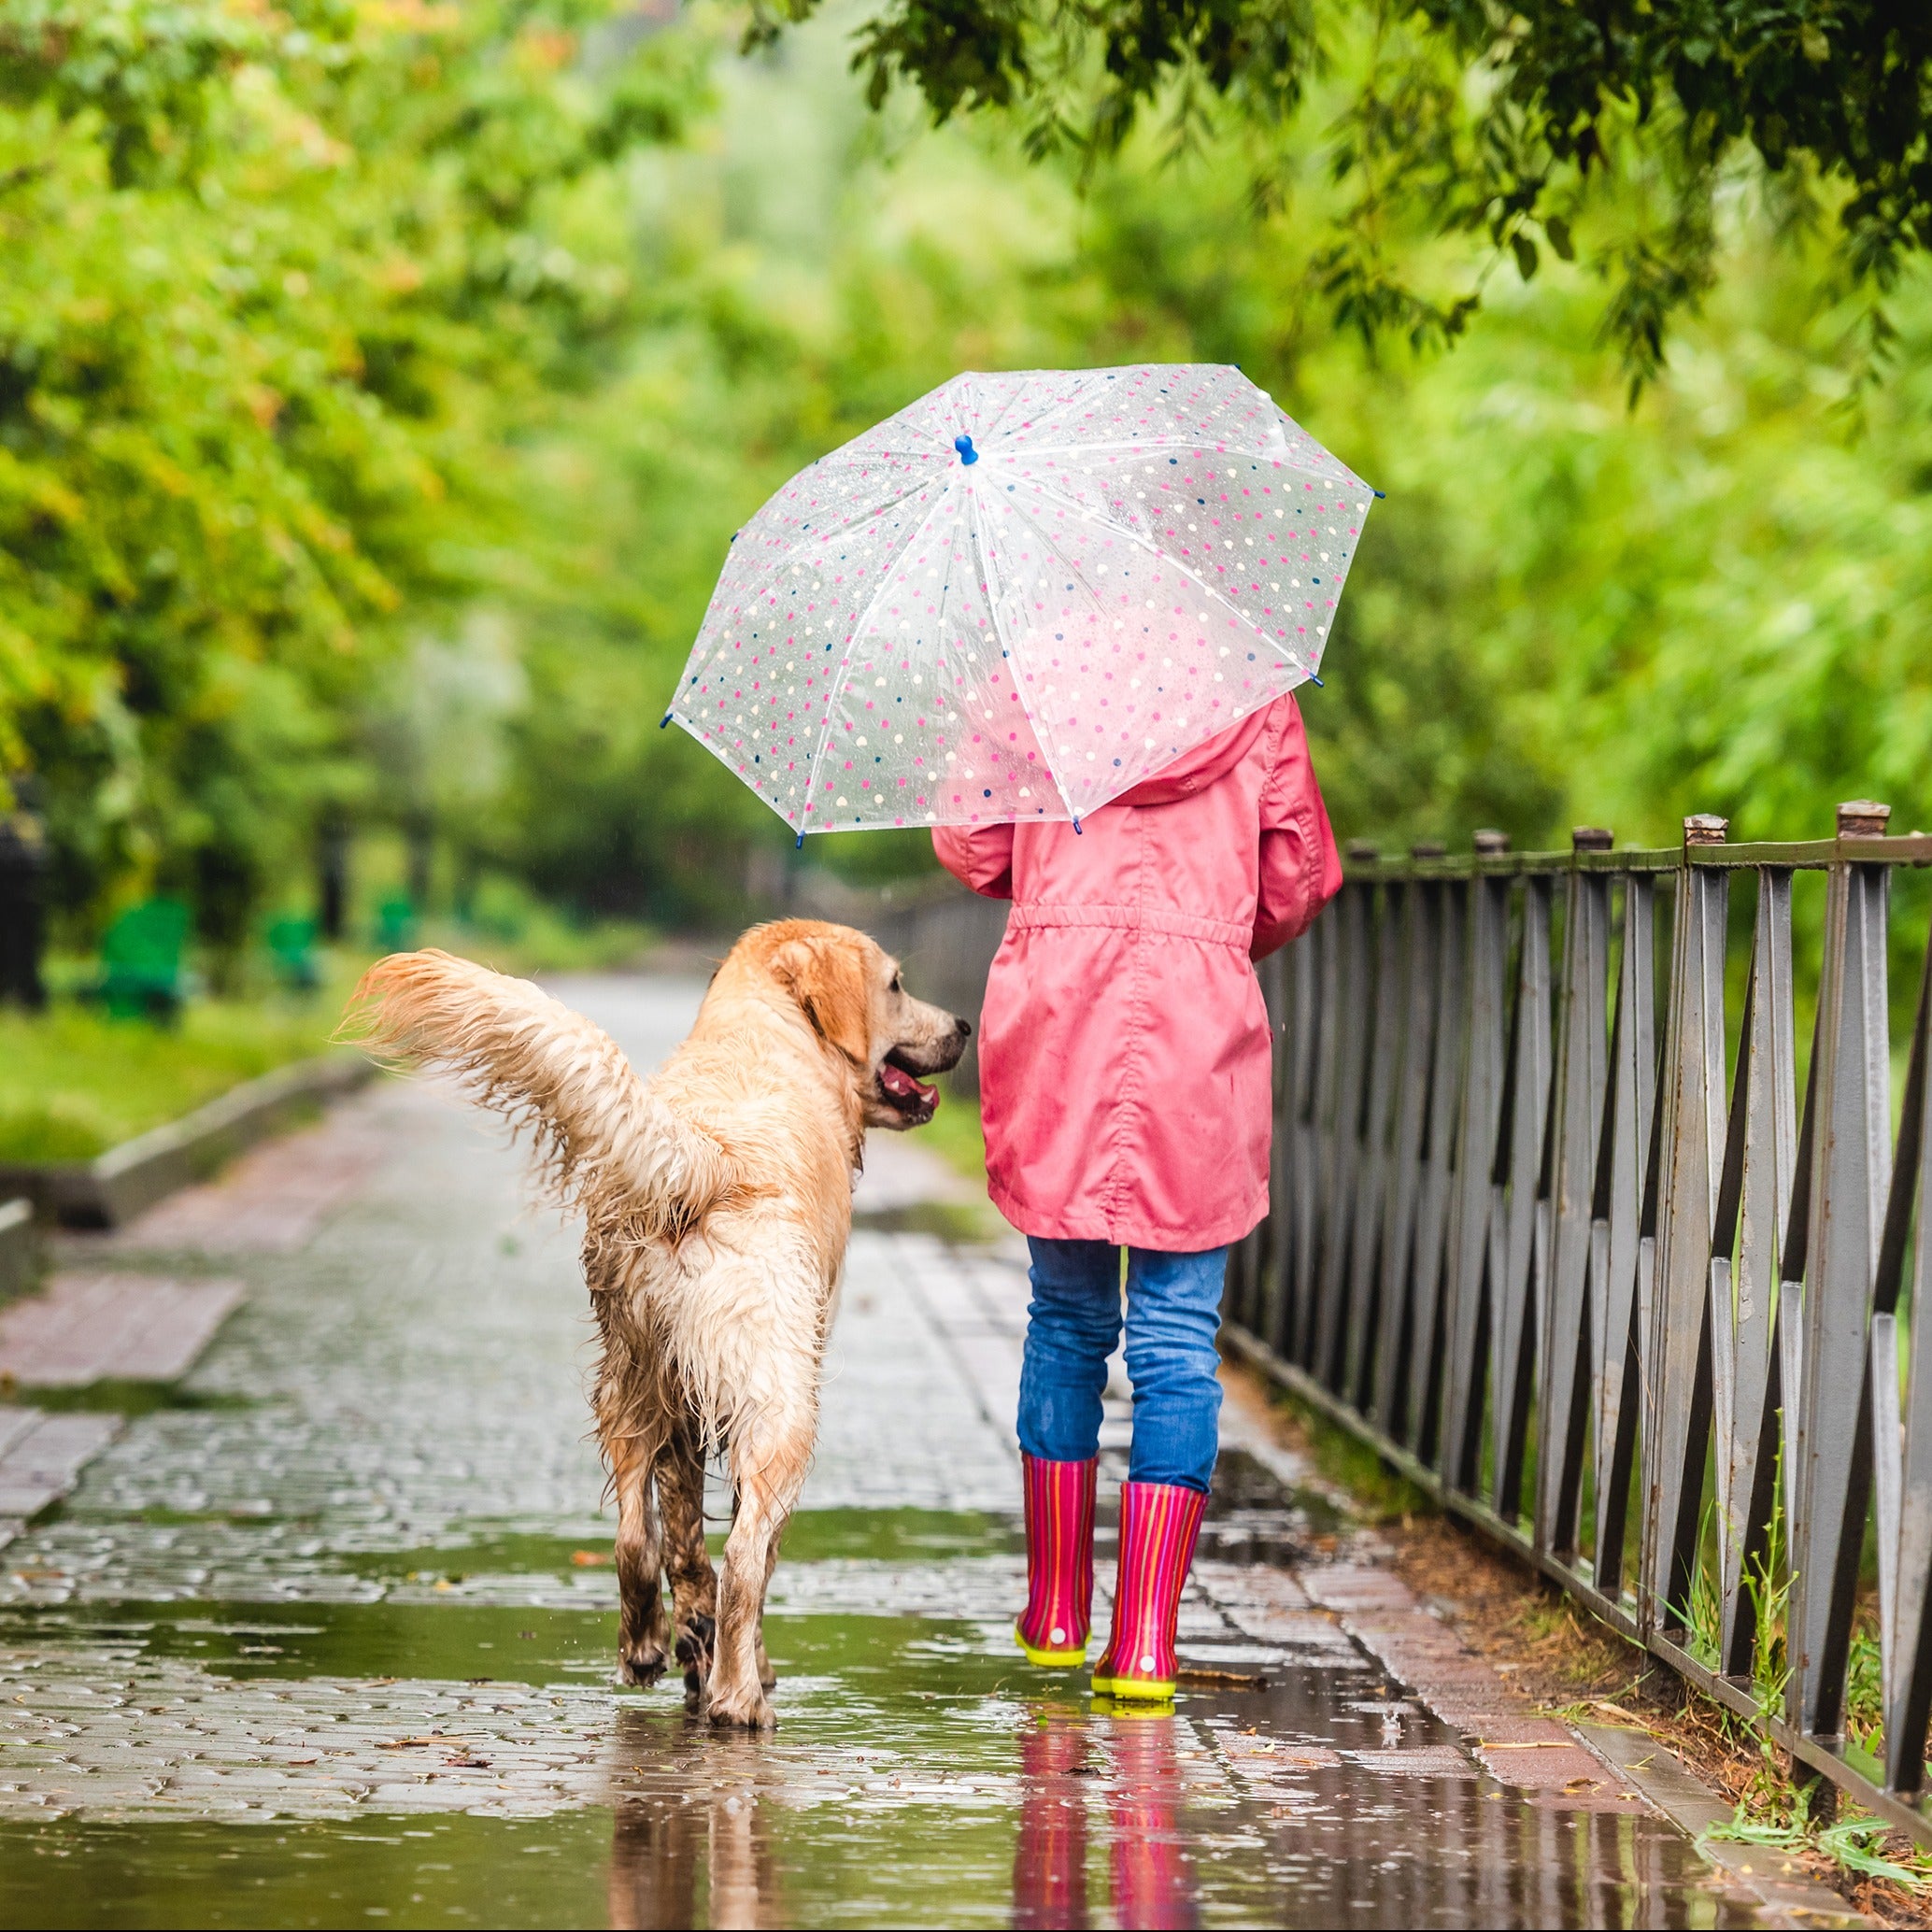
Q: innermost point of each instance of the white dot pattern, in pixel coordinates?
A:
(1136, 559)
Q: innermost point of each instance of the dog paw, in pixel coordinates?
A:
(694, 1642)
(642, 1664)
(747, 1710)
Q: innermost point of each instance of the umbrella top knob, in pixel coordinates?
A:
(968, 454)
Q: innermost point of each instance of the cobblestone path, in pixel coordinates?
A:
(324, 1634)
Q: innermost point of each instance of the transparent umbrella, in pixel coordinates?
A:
(1020, 596)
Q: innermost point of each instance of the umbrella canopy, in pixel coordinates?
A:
(1020, 596)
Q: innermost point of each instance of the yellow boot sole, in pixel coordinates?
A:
(1049, 1659)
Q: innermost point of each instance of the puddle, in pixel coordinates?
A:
(921, 1776)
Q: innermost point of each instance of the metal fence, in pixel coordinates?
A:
(1575, 1258)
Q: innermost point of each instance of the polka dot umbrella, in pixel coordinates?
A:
(1020, 596)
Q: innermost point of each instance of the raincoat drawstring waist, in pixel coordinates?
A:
(1131, 919)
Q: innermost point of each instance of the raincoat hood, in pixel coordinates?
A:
(1195, 771)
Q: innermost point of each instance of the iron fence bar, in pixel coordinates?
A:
(1581, 1081)
(1448, 1061)
(1850, 1178)
(1295, 1253)
(1397, 1341)
(1326, 1017)
(1472, 1213)
(1497, 1201)
(1364, 1305)
(1616, 1245)
(1754, 1202)
(1517, 1237)
(1679, 1346)
(1907, 1595)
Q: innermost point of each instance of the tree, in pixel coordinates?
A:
(285, 286)
(1536, 125)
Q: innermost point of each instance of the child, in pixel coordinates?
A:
(1126, 1082)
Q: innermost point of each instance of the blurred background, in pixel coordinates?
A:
(381, 386)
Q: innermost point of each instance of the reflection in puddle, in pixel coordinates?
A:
(920, 1777)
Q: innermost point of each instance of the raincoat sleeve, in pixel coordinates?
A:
(980, 857)
(1301, 868)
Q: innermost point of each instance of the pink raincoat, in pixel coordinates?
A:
(1124, 1055)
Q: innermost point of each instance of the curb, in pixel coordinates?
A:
(20, 1249)
(1684, 1798)
(115, 1187)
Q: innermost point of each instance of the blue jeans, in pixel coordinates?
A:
(1173, 1309)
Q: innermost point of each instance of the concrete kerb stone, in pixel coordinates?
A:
(1669, 1785)
(116, 1185)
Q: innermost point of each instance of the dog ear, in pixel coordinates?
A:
(828, 980)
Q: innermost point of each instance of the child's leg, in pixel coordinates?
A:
(1072, 1328)
(1173, 1311)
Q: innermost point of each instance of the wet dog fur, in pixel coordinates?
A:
(718, 1203)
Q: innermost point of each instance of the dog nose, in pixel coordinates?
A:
(961, 1028)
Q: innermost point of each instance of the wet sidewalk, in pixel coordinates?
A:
(324, 1633)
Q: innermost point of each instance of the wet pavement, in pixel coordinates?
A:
(325, 1633)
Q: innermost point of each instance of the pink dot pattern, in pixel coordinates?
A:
(1139, 557)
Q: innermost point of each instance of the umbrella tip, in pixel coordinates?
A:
(665, 720)
(1077, 832)
(799, 846)
(968, 454)
(1314, 679)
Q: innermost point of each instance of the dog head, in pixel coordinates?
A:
(849, 989)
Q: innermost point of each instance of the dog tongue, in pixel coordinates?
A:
(895, 1080)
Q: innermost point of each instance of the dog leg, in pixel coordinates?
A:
(693, 1581)
(767, 1677)
(644, 1631)
(769, 1462)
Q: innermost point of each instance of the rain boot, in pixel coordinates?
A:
(1158, 1524)
(1052, 1629)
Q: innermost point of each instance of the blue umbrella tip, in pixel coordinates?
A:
(1314, 679)
(968, 454)
(665, 720)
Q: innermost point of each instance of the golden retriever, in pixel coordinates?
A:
(718, 1197)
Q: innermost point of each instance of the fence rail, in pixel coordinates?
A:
(1599, 1280)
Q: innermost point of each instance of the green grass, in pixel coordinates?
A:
(954, 1133)
(74, 1083)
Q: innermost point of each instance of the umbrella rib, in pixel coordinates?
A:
(1011, 646)
(838, 691)
(1133, 537)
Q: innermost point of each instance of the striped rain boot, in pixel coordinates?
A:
(1052, 1629)
(1158, 1524)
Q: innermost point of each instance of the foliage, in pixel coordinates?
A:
(1848, 1843)
(284, 284)
(1519, 124)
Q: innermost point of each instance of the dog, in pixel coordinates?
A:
(717, 1199)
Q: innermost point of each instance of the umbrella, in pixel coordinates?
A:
(1020, 596)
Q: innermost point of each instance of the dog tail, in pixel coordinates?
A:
(602, 1141)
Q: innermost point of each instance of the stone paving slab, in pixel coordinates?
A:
(271, 1200)
(90, 1328)
(42, 1457)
